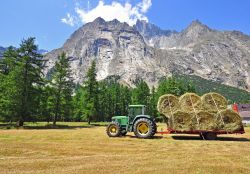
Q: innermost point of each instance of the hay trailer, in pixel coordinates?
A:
(137, 121)
(206, 135)
(144, 126)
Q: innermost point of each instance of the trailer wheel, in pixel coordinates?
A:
(113, 129)
(144, 128)
(210, 136)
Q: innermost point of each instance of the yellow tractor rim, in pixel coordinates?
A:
(143, 128)
(112, 129)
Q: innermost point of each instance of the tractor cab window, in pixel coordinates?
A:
(133, 111)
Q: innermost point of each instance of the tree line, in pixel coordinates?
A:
(26, 95)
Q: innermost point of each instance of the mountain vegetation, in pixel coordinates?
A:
(234, 95)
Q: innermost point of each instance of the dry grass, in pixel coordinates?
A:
(89, 150)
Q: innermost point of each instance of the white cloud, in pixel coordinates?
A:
(123, 12)
(145, 5)
(69, 20)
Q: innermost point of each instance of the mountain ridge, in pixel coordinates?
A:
(145, 51)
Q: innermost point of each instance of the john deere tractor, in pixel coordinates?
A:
(137, 121)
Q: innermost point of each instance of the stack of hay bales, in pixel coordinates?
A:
(192, 112)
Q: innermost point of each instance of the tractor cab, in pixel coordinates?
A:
(134, 110)
(137, 121)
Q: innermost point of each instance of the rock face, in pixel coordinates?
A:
(118, 49)
(145, 51)
(151, 32)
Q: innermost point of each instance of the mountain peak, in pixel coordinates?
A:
(115, 21)
(149, 30)
(196, 22)
(196, 29)
(198, 25)
(99, 20)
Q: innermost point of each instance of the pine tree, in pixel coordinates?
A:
(104, 101)
(91, 103)
(153, 103)
(22, 69)
(7, 102)
(78, 99)
(8, 63)
(125, 99)
(173, 86)
(62, 87)
(45, 109)
(141, 93)
(8, 88)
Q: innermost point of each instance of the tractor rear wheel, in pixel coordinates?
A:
(113, 129)
(144, 128)
(155, 128)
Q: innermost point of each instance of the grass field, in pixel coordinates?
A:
(84, 149)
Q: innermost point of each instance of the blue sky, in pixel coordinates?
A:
(53, 21)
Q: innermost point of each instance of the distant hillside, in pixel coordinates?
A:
(203, 86)
(2, 49)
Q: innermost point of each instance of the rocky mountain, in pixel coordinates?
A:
(150, 31)
(118, 49)
(42, 51)
(148, 52)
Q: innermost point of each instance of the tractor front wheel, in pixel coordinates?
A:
(144, 128)
(113, 129)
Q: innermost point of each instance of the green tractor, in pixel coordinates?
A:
(137, 121)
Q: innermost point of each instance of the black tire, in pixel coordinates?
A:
(124, 132)
(155, 128)
(210, 136)
(148, 132)
(113, 129)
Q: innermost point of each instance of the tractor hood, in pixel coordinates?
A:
(122, 120)
(119, 116)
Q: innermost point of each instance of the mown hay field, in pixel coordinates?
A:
(88, 150)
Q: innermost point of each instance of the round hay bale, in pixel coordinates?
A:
(206, 121)
(190, 102)
(213, 102)
(168, 104)
(229, 120)
(181, 121)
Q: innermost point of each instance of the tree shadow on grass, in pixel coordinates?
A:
(219, 138)
(48, 126)
(57, 127)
